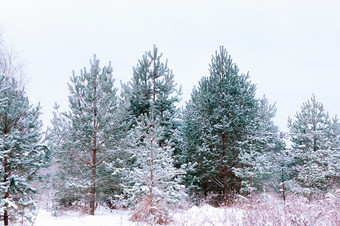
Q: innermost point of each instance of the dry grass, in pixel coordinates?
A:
(150, 212)
(268, 209)
(262, 209)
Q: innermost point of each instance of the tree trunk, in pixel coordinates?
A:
(93, 191)
(5, 218)
(7, 193)
(153, 133)
(94, 153)
(225, 194)
(7, 174)
(151, 168)
(93, 177)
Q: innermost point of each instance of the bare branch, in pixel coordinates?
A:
(217, 182)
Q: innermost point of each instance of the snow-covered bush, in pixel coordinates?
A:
(151, 182)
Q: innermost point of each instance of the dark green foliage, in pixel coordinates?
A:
(153, 86)
(221, 121)
(22, 153)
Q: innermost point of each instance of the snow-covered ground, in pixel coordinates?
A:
(264, 209)
(208, 215)
(205, 215)
(101, 218)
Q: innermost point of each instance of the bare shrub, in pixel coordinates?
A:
(59, 208)
(269, 209)
(147, 210)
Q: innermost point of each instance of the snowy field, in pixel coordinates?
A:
(205, 215)
(265, 209)
(102, 218)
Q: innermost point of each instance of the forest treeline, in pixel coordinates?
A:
(134, 147)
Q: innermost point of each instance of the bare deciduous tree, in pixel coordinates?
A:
(11, 63)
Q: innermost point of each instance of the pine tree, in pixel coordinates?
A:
(152, 178)
(151, 174)
(219, 130)
(22, 153)
(261, 159)
(87, 139)
(153, 86)
(315, 148)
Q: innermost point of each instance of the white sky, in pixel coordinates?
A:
(290, 47)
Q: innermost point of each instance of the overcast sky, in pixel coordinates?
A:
(290, 48)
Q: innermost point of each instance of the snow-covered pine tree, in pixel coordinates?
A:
(153, 85)
(315, 148)
(153, 181)
(220, 110)
(22, 153)
(151, 173)
(261, 159)
(87, 138)
(218, 127)
(333, 157)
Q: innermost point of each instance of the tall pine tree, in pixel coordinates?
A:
(87, 138)
(151, 175)
(22, 153)
(221, 124)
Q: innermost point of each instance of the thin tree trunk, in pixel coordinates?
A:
(224, 170)
(7, 193)
(283, 188)
(93, 178)
(153, 126)
(6, 174)
(94, 153)
(151, 168)
(225, 194)
(93, 191)
(5, 218)
(145, 87)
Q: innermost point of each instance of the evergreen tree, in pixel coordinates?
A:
(22, 153)
(153, 86)
(151, 174)
(221, 124)
(315, 148)
(152, 178)
(261, 159)
(87, 139)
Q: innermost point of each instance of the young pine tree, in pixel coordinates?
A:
(261, 167)
(152, 182)
(22, 153)
(151, 174)
(87, 138)
(153, 89)
(315, 148)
